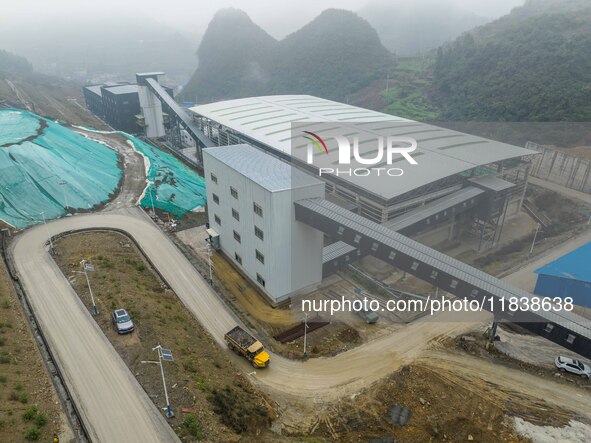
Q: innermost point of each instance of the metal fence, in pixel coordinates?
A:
(561, 168)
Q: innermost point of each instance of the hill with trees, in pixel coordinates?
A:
(410, 28)
(531, 65)
(332, 56)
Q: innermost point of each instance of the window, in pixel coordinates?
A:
(453, 284)
(434, 274)
(217, 219)
(261, 280)
(235, 214)
(258, 210)
(341, 230)
(570, 339)
(213, 178)
(216, 199)
(374, 246)
(260, 257)
(357, 238)
(392, 255)
(258, 232)
(549, 327)
(237, 257)
(233, 192)
(236, 236)
(415, 265)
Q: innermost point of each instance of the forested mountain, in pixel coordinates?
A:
(531, 65)
(13, 63)
(409, 28)
(22, 87)
(332, 56)
(234, 57)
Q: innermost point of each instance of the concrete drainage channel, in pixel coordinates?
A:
(69, 407)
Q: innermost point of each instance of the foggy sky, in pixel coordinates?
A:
(278, 17)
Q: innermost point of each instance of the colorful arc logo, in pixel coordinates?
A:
(317, 141)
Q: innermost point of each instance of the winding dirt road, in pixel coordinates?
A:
(113, 404)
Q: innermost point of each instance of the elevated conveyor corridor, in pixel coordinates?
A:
(564, 328)
(184, 118)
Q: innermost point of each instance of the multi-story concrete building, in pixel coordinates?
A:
(118, 104)
(250, 199)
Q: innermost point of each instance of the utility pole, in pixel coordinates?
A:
(209, 263)
(305, 336)
(153, 207)
(62, 183)
(531, 250)
(51, 249)
(85, 268)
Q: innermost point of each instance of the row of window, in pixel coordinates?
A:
(258, 209)
(259, 255)
(257, 231)
(260, 278)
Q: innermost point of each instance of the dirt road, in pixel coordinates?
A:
(109, 396)
(113, 405)
(505, 382)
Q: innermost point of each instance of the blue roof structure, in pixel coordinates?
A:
(576, 265)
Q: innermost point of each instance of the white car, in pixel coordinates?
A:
(122, 321)
(574, 366)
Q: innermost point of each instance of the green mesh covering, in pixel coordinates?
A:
(173, 187)
(50, 171)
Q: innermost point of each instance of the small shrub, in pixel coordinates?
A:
(41, 420)
(2, 341)
(4, 359)
(3, 379)
(13, 396)
(18, 387)
(5, 304)
(140, 267)
(24, 399)
(33, 434)
(30, 413)
(193, 427)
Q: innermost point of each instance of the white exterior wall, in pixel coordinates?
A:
(292, 250)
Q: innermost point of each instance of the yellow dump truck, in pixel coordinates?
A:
(242, 343)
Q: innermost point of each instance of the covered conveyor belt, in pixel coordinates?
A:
(179, 113)
(564, 328)
(336, 255)
(442, 209)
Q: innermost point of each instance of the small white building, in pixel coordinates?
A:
(250, 197)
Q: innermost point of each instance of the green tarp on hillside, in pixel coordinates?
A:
(173, 187)
(47, 172)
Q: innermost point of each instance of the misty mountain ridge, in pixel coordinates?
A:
(334, 55)
(410, 28)
(104, 48)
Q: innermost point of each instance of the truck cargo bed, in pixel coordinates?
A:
(241, 337)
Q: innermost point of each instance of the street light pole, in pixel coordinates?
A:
(94, 309)
(169, 412)
(51, 249)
